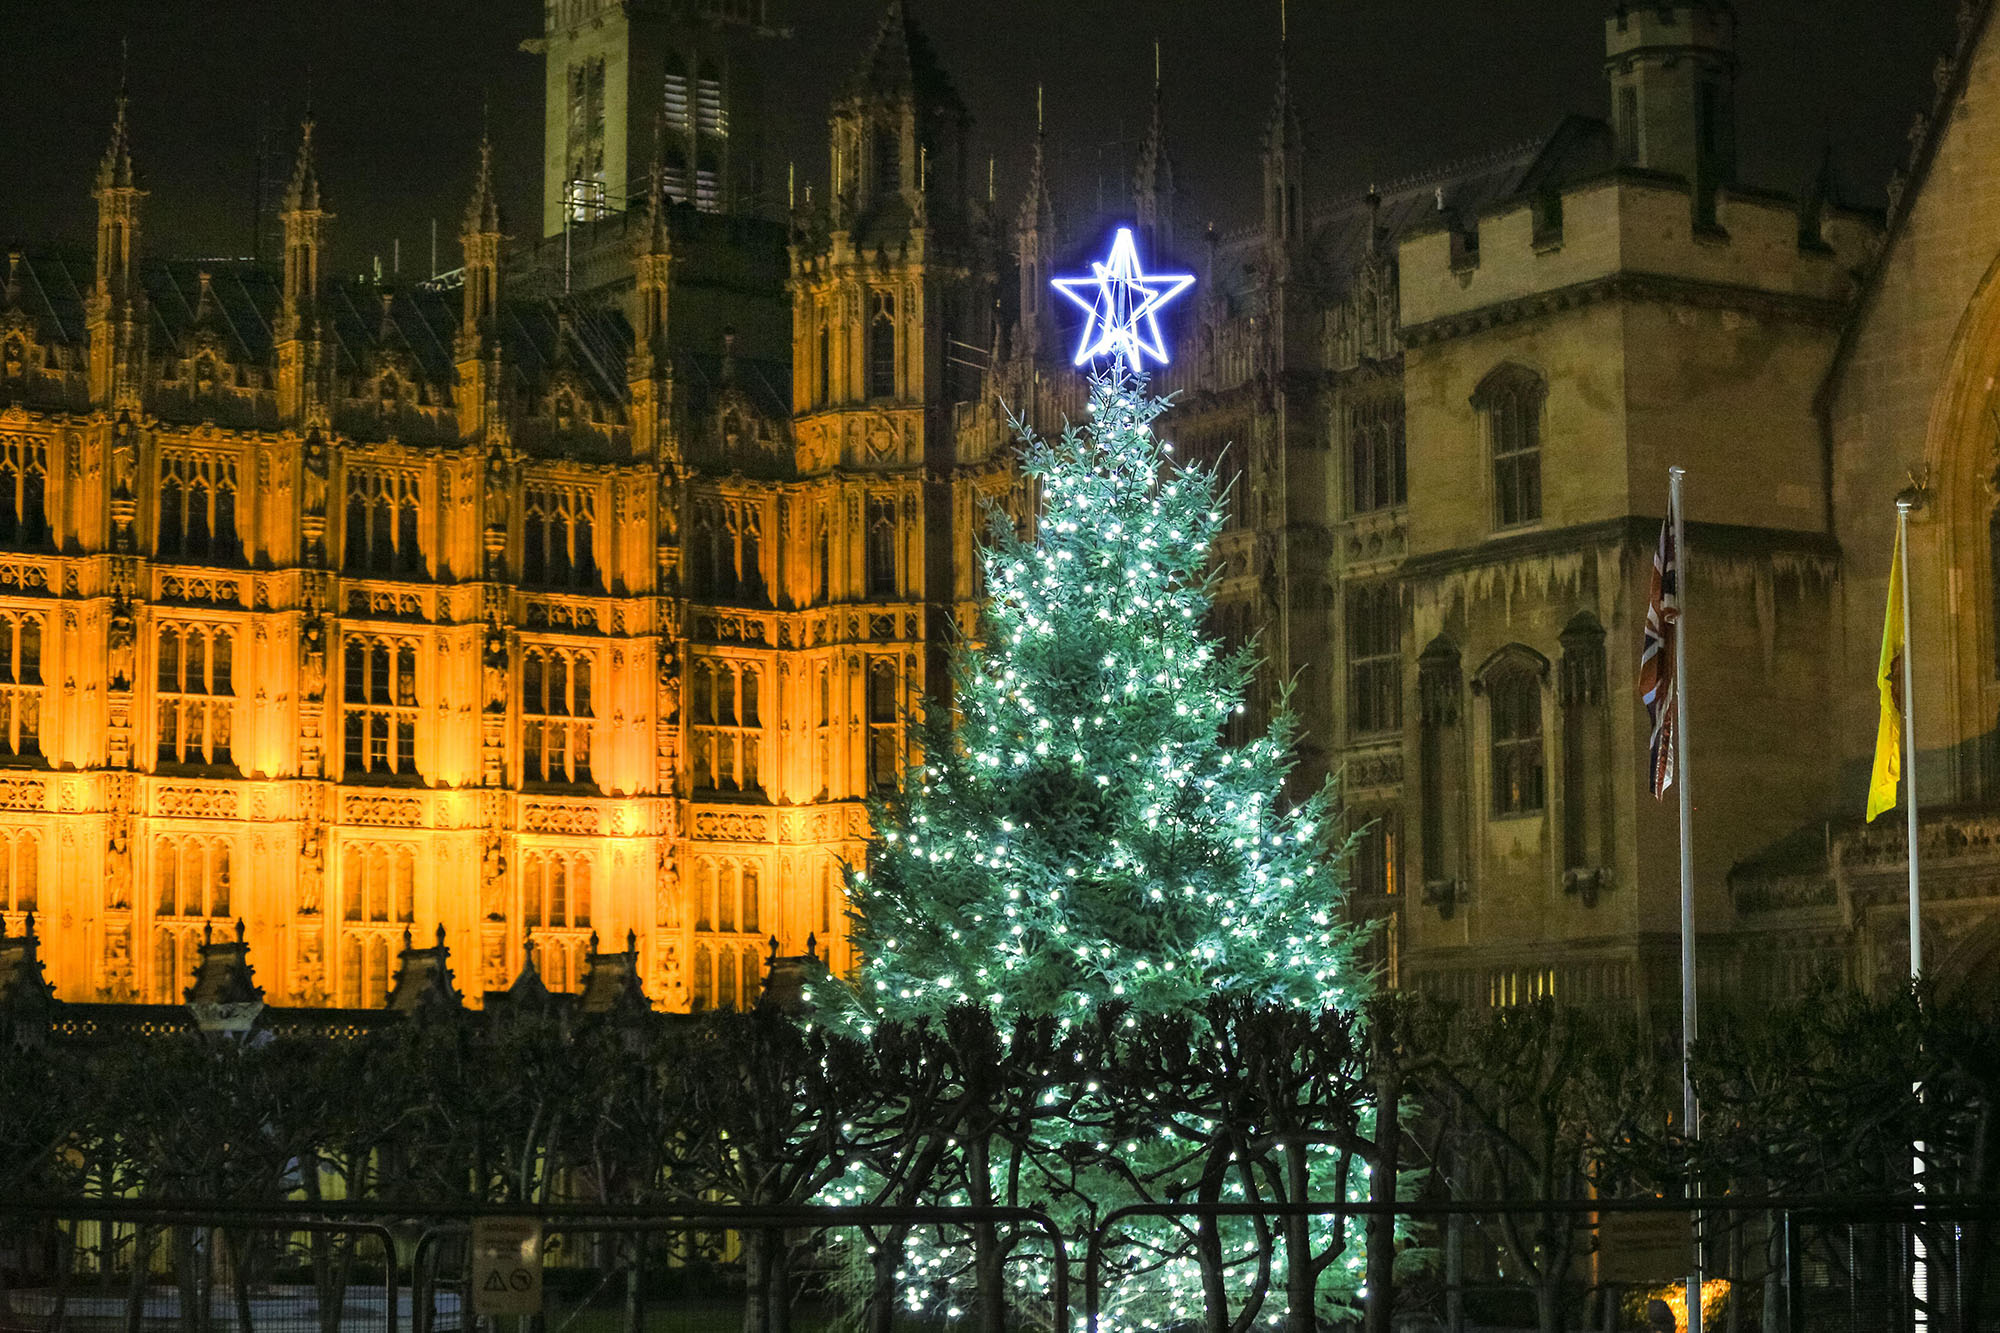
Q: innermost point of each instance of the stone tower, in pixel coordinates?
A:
(629, 79)
(1673, 91)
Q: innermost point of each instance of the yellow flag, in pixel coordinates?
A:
(1889, 681)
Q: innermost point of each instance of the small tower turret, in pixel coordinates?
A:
(116, 300)
(1284, 162)
(899, 133)
(297, 330)
(1672, 68)
(649, 370)
(477, 348)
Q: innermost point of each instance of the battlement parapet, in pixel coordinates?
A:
(1630, 222)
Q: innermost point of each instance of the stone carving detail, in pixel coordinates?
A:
(384, 809)
(119, 984)
(561, 817)
(492, 880)
(197, 802)
(382, 604)
(312, 657)
(732, 827)
(561, 615)
(201, 588)
(121, 641)
(24, 793)
(118, 865)
(312, 870)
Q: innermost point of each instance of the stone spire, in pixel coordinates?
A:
(1035, 242)
(1284, 158)
(1153, 182)
(481, 241)
(115, 307)
(305, 240)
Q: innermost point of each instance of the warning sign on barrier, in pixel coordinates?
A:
(506, 1265)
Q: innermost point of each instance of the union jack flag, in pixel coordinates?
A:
(1657, 685)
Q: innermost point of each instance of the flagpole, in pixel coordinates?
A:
(1903, 505)
(1920, 1269)
(1691, 1110)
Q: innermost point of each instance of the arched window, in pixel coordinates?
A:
(882, 348)
(701, 994)
(1514, 706)
(825, 359)
(1510, 399)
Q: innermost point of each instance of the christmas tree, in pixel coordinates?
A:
(1077, 834)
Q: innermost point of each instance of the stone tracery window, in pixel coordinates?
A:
(382, 524)
(24, 476)
(882, 347)
(885, 726)
(728, 727)
(880, 540)
(1374, 660)
(558, 537)
(195, 695)
(557, 714)
(20, 686)
(727, 555)
(1377, 466)
(191, 892)
(20, 871)
(379, 707)
(1514, 712)
(378, 889)
(197, 509)
(1510, 400)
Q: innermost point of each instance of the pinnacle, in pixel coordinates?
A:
(302, 196)
(115, 172)
(482, 215)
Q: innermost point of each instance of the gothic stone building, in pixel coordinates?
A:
(587, 589)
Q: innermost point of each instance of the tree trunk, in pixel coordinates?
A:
(635, 1281)
(757, 1282)
(1384, 1164)
(987, 1268)
(239, 1263)
(1548, 1304)
(1299, 1315)
(135, 1294)
(1454, 1273)
(881, 1312)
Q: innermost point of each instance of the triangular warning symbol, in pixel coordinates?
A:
(494, 1282)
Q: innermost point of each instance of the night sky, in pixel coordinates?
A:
(1388, 88)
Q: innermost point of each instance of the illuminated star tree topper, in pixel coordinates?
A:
(1123, 304)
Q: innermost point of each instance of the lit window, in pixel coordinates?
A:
(557, 715)
(885, 727)
(1514, 696)
(20, 687)
(727, 726)
(195, 700)
(379, 707)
